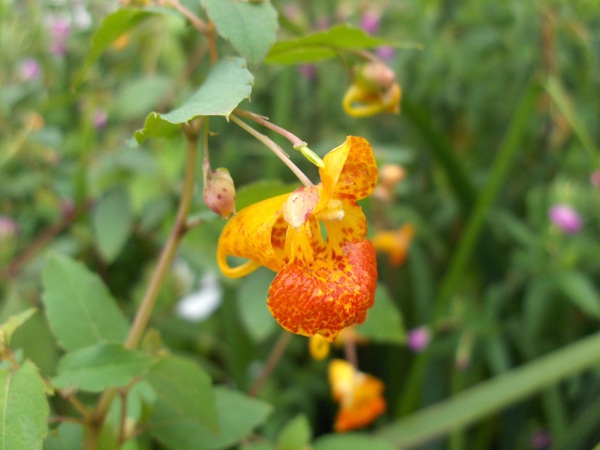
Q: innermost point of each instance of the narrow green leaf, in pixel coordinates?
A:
(252, 305)
(79, 307)
(581, 292)
(352, 441)
(14, 322)
(228, 83)
(24, 408)
(562, 100)
(250, 26)
(384, 322)
(509, 146)
(238, 415)
(112, 219)
(476, 403)
(295, 435)
(322, 45)
(112, 27)
(184, 393)
(102, 366)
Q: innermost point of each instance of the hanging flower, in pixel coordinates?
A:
(374, 91)
(323, 284)
(360, 396)
(395, 243)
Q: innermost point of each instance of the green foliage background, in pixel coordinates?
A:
(499, 122)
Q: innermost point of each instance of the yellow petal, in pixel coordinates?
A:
(360, 396)
(395, 243)
(254, 233)
(350, 170)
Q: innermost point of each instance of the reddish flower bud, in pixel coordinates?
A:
(376, 76)
(219, 192)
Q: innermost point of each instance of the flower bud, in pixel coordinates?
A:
(376, 76)
(219, 192)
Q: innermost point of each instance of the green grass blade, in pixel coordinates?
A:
(498, 173)
(489, 397)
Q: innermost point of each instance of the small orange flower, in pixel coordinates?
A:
(323, 284)
(395, 243)
(374, 91)
(360, 396)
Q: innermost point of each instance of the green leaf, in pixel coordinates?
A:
(228, 83)
(250, 26)
(112, 220)
(295, 435)
(581, 292)
(384, 321)
(102, 366)
(79, 307)
(184, 393)
(354, 441)
(112, 27)
(139, 95)
(67, 436)
(322, 45)
(238, 415)
(14, 322)
(252, 305)
(489, 397)
(23, 407)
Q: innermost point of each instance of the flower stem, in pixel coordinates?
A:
(298, 143)
(295, 140)
(276, 353)
(275, 149)
(164, 263)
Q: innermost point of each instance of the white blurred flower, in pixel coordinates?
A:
(199, 305)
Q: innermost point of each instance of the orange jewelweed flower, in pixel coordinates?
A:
(395, 243)
(360, 396)
(323, 284)
(361, 102)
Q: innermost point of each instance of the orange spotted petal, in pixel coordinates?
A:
(350, 170)
(360, 395)
(257, 232)
(366, 404)
(327, 295)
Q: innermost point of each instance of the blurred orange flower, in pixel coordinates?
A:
(395, 243)
(374, 91)
(360, 396)
(322, 284)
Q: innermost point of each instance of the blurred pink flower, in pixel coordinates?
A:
(566, 218)
(99, 118)
(60, 30)
(308, 72)
(8, 228)
(29, 69)
(540, 439)
(418, 339)
(370, 22)
(595, 178)
(386, 52)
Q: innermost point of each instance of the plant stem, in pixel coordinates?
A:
(275, 149)
(164, 263)
(295, 140)
(276, 353)
(198, 23)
